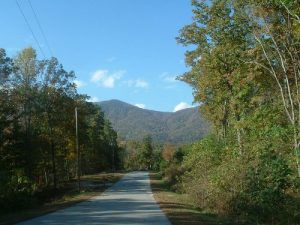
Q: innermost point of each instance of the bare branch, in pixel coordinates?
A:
(289, 12)
(273, 72)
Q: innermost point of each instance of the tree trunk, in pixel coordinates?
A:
(46, 178)
(53, 164)
(238, 135)
(296, 148)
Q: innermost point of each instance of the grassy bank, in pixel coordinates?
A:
(178, 208)
(91, 185)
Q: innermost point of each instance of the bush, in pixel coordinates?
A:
(265, 195)
(200, 164)
(253, 187)
(163, 165)
(173, 173)
(16, 192)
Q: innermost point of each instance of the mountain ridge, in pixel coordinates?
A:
(134, 123)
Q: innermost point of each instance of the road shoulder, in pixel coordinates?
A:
(92, 185)
(177, 207)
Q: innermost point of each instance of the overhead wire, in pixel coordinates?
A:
(33, 35)
(41, 28)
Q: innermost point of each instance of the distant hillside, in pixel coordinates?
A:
(133, 123)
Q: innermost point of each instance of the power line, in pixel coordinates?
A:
(41, 29)
(38, 44)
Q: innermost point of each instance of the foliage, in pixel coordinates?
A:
(244, 70)
(141, 155)
(171, 164)
(37, 129)
(145, 155)
(16, 192)
(265, 188)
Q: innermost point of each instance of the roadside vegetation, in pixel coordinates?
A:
(244, 62)
(37, 131)
(244, 67)
(140, 155)
(91, 185)
(178, 207)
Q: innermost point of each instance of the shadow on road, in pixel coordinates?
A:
(129, 201)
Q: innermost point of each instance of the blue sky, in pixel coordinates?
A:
(119, 49)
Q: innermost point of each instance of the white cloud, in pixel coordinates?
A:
(142, 106)
(79, 83)
(139, 83)
(168, 77)
(181, 105)
(93, 99)
(105, 79)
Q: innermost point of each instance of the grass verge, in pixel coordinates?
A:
(91, 185)
(178, 208)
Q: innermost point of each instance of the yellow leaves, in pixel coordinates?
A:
(168, 152)
(71, 153)
(71, 156)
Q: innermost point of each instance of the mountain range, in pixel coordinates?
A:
(133, 123)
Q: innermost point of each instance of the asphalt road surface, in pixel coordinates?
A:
(129, 201)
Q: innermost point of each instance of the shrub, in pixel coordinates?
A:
(16, 192)
(172, 174)
(251, 187)
(264, 197)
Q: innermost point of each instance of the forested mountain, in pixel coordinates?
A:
(133, 123)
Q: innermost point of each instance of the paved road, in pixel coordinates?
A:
(129, 201)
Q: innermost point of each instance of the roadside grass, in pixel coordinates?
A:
(91, 185)
(178, 208)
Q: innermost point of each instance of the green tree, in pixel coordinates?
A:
(146, 153)
(217, 67)
(55, 90)
(278, 55)
(244, 70)
(37, 129)
(111, 144)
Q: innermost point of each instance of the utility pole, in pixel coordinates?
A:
(77, 150)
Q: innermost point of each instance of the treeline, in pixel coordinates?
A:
(244, 65)
(153, 156)
(37, 129)
(140, 155)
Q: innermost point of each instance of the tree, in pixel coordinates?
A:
(244, 70)
(7, 113)
(24, 82)
(37, 129)
(275, 30)
(146, 153)
(111, 144)
(55, 88)
(217, 67)
(168, 152)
